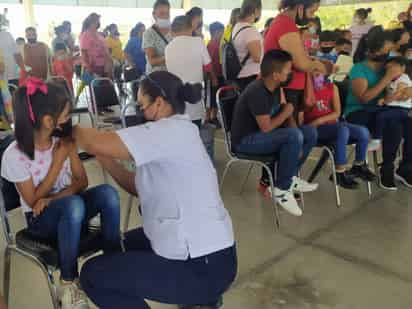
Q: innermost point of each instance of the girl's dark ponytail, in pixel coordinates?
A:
(23, 125)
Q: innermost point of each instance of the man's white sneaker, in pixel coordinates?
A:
(288, 202)
(300, 185)
(71, 296)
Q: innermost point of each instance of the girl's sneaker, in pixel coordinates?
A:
(71, 296)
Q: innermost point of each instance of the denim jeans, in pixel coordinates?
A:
(287, 142)
(397, 127)
(340, 133)
(125, 280)
(65, 218)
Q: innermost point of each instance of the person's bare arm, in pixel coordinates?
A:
(364, 94)
(334, 116)
(86, 59)
(153, 58)
(20, 62)
(98, 143)
(267, 124)
(123, 177)
(292, 43)
(255, 51)
(79, 177)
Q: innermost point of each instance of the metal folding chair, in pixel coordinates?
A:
(41, 252)
(226, 98)
(103, 95)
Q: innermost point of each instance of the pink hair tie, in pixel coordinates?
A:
(33, 85)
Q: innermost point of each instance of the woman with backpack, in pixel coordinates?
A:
(248, 42)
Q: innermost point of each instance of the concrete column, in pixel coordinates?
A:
(187, 5)
(29, 13)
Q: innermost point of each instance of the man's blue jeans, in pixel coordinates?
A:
(292, 144)
(340, 134)
(65, 218)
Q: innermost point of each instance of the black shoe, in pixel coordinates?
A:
(345, 181)
(387, 180)
(362, 172)
(404, 177)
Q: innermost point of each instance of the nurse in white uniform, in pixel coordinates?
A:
(185, 253)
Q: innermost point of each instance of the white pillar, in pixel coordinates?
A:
(29, 13)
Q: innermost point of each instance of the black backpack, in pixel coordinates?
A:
(231, 63)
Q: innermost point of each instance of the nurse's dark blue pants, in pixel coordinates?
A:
(125, 280)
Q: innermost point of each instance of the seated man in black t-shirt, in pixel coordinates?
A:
(259, 128)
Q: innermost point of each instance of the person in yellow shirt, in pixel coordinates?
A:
(227, 34)
(114, 44)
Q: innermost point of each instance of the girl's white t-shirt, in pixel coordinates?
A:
(17, 167)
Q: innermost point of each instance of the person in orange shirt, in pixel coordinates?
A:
(63, 64)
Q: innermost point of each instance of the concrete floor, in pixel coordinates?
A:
(355, 257)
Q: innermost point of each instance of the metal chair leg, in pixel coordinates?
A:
(6, 275)
(228, 165)
(247, 178)
(52, 289)
(368, 183)
(319, 165)
(272, 186)
(376, 166)
(335, 180)
(128, 213)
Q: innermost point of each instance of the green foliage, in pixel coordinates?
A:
(341, 16)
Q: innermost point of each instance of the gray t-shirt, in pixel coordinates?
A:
(151, 39)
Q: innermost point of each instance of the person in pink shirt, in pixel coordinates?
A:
(94, 52)
(360, 26)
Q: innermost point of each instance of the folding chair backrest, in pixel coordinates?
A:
(9, 197)
(226, 99)
(104, 93)
(135, 88)
(62, 81)
(131, 119)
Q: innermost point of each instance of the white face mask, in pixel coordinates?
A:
(163, 23)
(312, 30)
(409, 57)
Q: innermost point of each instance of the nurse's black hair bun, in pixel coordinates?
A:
(191, 93)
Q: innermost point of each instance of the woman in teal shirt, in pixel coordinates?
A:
(368, 81)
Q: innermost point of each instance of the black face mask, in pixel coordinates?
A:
(98, 25)
(380, 58)
(287, 81)
(65, 130)
(326, 50)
